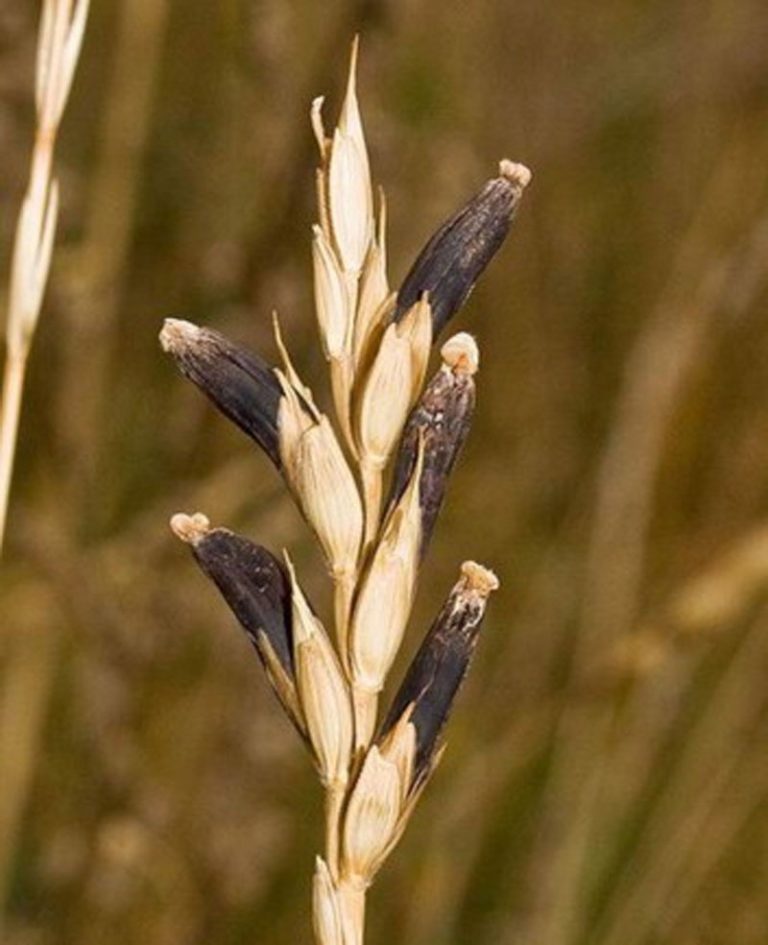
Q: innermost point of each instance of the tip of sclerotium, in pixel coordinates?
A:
(479, 578)
(190, 528)
(515, 173)
(461, 353)
(176, 333)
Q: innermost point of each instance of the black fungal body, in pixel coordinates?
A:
(258, 591)
(254, 584)
(441, 419)
(455, 257)
(240, 383)
(437, 672)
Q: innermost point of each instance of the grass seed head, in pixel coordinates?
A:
(378, 344)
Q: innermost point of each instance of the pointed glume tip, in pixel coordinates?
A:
(460, 353)
(354, 52)
(177, 334)
(515, 173)
(478, 578)
(190, 528)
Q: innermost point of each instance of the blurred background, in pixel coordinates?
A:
(606, 781)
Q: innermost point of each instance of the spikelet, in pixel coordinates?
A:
(371, 816)
(345, 255)
(350, 199)
(321, 479)
(331, 297)
(322, 691)
(399, 746)
(394, 383)
(380, 803)
(384, 605)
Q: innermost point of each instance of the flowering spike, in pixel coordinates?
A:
(377, 343)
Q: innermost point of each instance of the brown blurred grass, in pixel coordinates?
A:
(605, 782)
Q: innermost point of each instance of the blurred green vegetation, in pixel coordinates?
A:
(606, 779)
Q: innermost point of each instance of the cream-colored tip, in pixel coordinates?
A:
(190, 528)
(355, 51)
(478, 578)
(515, 173)
(177, 334)
(461, 353)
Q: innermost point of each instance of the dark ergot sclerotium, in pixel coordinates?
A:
(441, 663)
(240, 383)
(455, 257)
(441, 421)
(257, 589)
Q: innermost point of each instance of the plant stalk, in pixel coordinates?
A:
(13, 386)
(334, 803)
